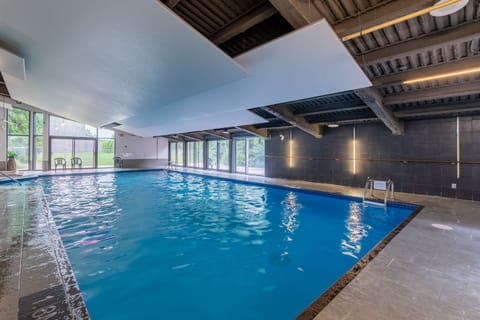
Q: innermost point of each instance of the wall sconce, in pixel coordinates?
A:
(282, 137)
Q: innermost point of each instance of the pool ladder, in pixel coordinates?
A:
(10, 177)
(384, 185)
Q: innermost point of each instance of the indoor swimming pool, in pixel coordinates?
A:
(169, 245)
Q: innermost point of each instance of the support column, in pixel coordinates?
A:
(46, 141)
(3, 138)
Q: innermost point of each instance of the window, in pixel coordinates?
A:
(18, 140)
(176, 153)
(66, 128)
(195, 154)
(240, 161)
(223, 154)
(173, 153)
(250, 156)
(37, 141)
(212, 154)
(105, 148)
(219, 155)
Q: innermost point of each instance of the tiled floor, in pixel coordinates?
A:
(429, 271)
(36, 281)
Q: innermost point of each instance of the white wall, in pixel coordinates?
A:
(133, 147)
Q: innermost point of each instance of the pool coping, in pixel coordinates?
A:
(76, 298)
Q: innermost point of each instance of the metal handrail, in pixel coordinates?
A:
(10, 177)
(389, 190)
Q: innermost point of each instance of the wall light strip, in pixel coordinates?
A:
(399, 19)
(443, 75)
(290, 151)
(354, 152)
(458, 147)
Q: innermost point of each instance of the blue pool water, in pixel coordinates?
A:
(157, 245)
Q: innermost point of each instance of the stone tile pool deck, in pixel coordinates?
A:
(430, 270)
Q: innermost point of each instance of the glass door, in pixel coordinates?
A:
(85, 150)
(61, 148)
(69, 148)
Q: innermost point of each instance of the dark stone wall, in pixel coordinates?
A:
(420, 161)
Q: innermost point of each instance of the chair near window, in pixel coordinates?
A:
(76, 161)
(60, 162)
(117, 162)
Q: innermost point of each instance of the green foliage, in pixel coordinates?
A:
(107, 145)
(11, 154)
(18, 121)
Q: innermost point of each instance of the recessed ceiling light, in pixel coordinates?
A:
(333, 125)
(445, 11)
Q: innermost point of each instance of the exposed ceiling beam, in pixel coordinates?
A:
(427, 71)
(350, 121)
(279, 127)
(192, 136)
(373, 98)
(429, 42)
(330, 110)
(298, 13)
(218, 134)
(461, 89)
(261, 133)
(172, 3)
(175, 138)
(381, 14)
(243, 23)
(282, 112)
(441, 110)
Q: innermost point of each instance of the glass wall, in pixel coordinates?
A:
(18, 140)
(176, 153)
(69, 139)
(219, 155)
(37, 141)
(195, 154)
(250, 156)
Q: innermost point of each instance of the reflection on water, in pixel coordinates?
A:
(88, 203)
(290, 212)
(356, 231)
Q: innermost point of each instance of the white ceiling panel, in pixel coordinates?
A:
(200, 123)
(306, 63)
(12, 64)
(98, 61)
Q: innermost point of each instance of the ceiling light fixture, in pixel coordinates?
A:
(436, 6)
(333, 125)
(443, 75)
(445, 11)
